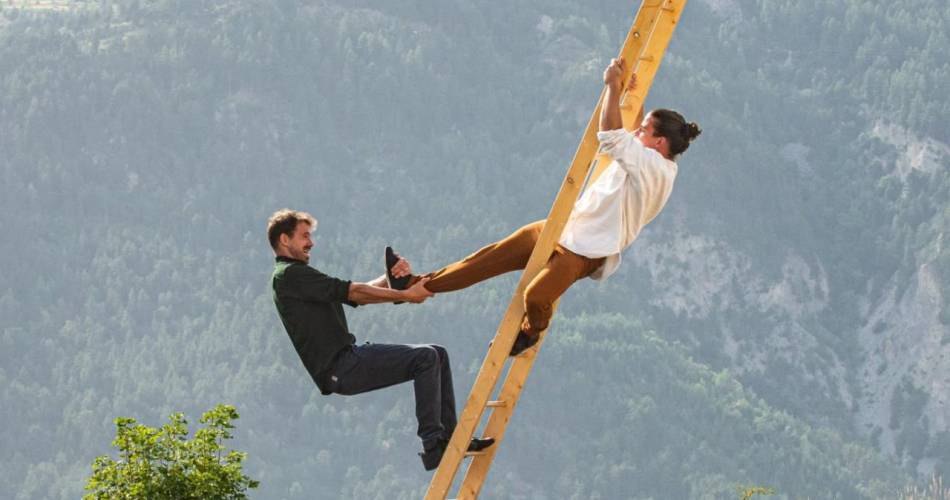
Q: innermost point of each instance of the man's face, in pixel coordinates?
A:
(644, 134)
(298, 243)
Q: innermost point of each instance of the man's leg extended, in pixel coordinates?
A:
(504, 256)
(368, 367)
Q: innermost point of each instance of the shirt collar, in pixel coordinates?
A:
(281, 258)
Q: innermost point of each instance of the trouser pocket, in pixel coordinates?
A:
(342, 367)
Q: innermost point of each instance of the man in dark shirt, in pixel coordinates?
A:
(310, 305)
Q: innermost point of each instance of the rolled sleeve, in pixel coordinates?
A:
(626, 150)
(612, 142)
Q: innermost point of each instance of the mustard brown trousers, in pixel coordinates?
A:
(510, 254)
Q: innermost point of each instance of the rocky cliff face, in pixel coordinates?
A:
(905, 351)
(903, 379)
(888, 372)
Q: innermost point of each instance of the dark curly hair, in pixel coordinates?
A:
(285, 221)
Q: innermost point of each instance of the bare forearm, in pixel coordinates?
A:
(610, 118)
(367, 293)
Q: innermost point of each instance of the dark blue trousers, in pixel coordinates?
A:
(367, 367)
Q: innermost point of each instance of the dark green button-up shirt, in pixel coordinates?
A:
(310, 305)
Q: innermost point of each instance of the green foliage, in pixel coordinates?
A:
(747, 492)
(165, 464)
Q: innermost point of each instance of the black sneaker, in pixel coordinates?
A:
(394, 283)
(432, 456)
(523, 342)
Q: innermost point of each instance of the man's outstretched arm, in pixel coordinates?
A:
(367, 293)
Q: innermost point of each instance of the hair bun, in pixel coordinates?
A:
(693, 130)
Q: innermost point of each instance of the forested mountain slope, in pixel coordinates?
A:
(783, 322)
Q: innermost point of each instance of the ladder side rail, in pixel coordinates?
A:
(498, 419)
(511, 324)
(504, 338)
(649, 19)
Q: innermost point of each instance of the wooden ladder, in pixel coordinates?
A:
(643, 50)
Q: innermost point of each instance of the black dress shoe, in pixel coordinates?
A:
(479, 444)
(394, 283)
(433, 455)
(524, 341)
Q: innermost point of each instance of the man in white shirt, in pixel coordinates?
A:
(606, 219)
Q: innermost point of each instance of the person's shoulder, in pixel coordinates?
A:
(657, 160)
(666, 167)
(297, 268)
(285, 269)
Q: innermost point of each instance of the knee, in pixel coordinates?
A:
(530, 233)
(536, 228)
(535, 300)
(426, 355)
(442, 352)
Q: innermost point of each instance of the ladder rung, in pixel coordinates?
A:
(475, 453)
(496, 404)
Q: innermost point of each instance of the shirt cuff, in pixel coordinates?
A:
(343, 294)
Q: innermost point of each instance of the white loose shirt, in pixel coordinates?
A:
(627, 196)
